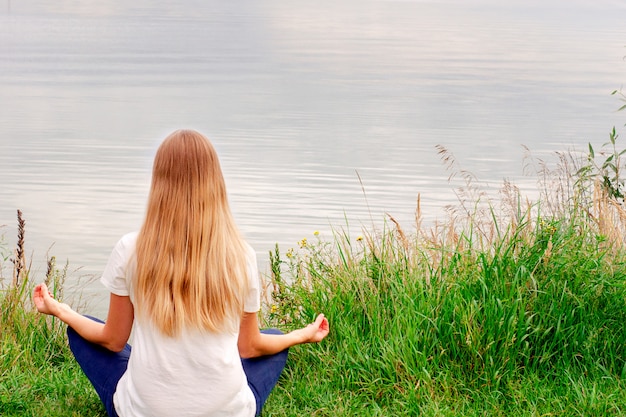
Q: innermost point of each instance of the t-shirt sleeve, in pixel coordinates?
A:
(114, 277)
(252, 303)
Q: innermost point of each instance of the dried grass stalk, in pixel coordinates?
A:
(19, 262)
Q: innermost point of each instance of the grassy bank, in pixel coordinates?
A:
(532, 325)
(506, 307)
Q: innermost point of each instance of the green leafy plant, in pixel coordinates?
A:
(622, 97)
(610, 171)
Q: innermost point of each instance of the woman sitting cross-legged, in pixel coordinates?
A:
(187, 285)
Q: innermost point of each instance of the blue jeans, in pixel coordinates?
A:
(104, 368)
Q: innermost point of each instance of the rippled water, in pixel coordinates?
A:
(300, 99)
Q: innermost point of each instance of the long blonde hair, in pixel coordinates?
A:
(191, 259)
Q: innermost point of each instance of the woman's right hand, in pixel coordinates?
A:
(45, 302)
(316, 331)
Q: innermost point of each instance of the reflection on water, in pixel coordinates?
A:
(298, 98)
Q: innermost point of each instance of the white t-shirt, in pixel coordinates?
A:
(195, 374)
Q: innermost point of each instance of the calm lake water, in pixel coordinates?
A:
(300, 99)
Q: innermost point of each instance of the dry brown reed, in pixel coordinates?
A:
(19, 260)
(51, 264)
(566, 189)
(401, 236)
(610, 218)
(475, 223)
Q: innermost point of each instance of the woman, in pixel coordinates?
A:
(187, 285)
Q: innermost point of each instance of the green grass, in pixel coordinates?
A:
(530, 325)
(518, 312)
(38, 375)
(486, 314)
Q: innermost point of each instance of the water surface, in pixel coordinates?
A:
(300, 99)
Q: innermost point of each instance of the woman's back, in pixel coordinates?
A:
(195, 373)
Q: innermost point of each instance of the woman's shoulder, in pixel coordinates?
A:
(128, 241)
(250, 254)
(249, 249)
(125, 247)
(115, 274)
